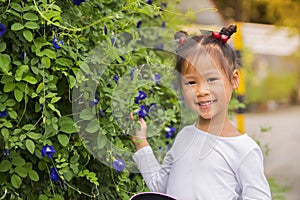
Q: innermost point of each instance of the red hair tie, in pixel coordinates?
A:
(217, 35)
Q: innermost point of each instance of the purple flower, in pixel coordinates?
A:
(157, 78)
(42, 106)
(57, 43)
(2, 29)
(78, 2)
(159, 46)
(118, 165)
(54, 175)
(163, 25)
(93, 102)
(131, 73)
(138, 24)
(163, 4)
(22, 55)
(4, 113)
(48, 150)
(149, 2)
(169, 131)
(143, 112)
(25, 1)
(105, 30)
(112, 40)
(100, 112)
(6, 152)
(116, 78)
(142, 95)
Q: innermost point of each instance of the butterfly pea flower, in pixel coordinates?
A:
(105, 30)
(22, 55)
(118, 165)
(142, 112)
(112, 40)
(2, 29)
(142, 95)
(131, 73)
(48, 150)
(149, 2)
(159, 46)
(157, 78)
(4, 113)
(100, 112)
(93, 102)
(169, 131)
(116, 78)
(78, 2)
(138, 24)
(57, 43)
(54, 176)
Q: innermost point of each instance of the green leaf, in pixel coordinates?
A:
(84, 67)
(5, 64)
(34, 136)
(20, 71)
(13, 114)
(31, 25)
(16, 181)
(28, 127)
(18, 94)
(33, 175)
(8, 87)
(21, 171)
(5, 134)
(93, 126)
(5, 165)
(18, 161)
(64, 62)
(46, 61)
(87, 114)
(17, 26)
(101, 141)
(72, 81)
(63, 139)
(28, 35)
(30, 79)
(49, 53)
(30, 146)
(2, 47)
(67, 125)
(40, 87)
(30, 16)
(16, 6)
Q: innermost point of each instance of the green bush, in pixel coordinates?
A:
(66, 93)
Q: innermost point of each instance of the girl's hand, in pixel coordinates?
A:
(140, 137)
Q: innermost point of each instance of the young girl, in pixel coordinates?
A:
(209, 160)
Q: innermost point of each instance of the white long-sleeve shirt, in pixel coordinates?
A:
(201, 166)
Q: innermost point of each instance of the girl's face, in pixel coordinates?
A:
(206, 88)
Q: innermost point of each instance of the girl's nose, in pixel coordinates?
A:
(202, 91)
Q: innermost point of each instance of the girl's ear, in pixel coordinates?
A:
(235, 79)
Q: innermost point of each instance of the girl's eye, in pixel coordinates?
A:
(190, 82)
(211, 79)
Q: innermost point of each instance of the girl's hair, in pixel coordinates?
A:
(215, 47)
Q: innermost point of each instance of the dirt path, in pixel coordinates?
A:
(283, 139)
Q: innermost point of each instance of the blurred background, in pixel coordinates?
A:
(268, 42)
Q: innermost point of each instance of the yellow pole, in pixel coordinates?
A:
(238, 44)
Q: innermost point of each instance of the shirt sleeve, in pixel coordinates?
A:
(251, 177)
(155, 175)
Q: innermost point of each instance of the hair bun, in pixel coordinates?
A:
(231, 29)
